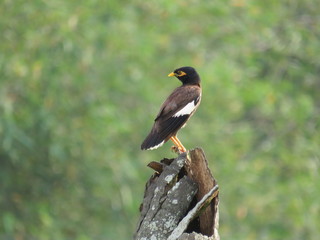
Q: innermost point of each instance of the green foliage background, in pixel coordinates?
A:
(80, 85)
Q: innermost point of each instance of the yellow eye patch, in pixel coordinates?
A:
(177, 74)
(180, 73)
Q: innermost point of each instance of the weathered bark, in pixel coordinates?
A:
(180, 200)
(199, 171)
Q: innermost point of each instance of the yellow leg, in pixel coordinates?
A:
(176, 147)
(183, 149)
(174, 142)
(178, 144)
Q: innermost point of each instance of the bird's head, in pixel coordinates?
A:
(187, 75)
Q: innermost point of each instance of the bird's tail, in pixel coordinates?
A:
(152, 141)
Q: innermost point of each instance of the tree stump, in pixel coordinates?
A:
(180, 200)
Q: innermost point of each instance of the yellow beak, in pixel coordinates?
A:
(171, 74)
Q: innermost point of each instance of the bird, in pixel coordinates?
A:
(175, 111)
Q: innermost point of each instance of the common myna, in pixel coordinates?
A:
(175, 111)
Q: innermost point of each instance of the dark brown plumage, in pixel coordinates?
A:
(176, 110)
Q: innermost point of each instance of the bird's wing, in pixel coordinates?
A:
(176, 111)
(173, 114)
(183, 99)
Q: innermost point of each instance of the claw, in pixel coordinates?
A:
(175, 149)
(178, 144)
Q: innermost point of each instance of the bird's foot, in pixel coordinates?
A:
(175, 149)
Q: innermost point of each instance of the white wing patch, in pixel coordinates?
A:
(186, 110)
(156, 146)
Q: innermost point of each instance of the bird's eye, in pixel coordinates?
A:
(181, 73)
